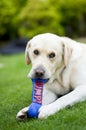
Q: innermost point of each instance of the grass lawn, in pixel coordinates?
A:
(15, 93)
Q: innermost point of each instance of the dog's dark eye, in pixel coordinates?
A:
(36, 52)
(52, 55)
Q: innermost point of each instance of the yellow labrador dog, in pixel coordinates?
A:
(63, 62)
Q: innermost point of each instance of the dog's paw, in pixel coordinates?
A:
(22, 114)
(45, 111)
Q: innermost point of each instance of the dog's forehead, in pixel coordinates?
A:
(49, 40)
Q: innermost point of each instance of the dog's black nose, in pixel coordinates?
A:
(39, 72)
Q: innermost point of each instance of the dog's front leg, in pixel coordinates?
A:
(77, 95)
(48, 96)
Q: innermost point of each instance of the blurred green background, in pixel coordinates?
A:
(20, 18)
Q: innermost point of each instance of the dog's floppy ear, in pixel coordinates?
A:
(67, 52)
(27, 58)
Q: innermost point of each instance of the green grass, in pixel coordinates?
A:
(15, 93)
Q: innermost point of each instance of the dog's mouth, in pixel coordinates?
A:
(47, 80)
(41, 79)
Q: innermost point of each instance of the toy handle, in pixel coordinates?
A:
(37, 90)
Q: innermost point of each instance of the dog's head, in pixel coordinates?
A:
(47, 53)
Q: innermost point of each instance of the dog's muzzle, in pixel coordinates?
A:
(39, 72)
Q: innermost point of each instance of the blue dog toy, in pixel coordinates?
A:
(37, 91)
